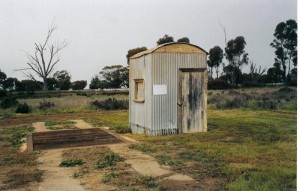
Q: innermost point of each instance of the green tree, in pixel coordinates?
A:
(165, 39)
(237, 57)
(29, 85)
(116, 76)
(63, 79)
(134, 51)
(52, 82)
(94, 84)
(184, 39)
(9, 83)
(285, 44)
(2, 78)
(79, 85)
(215, 58)
(275, 74)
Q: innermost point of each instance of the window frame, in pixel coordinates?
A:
(136, 98)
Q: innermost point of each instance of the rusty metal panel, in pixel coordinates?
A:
(165, 68)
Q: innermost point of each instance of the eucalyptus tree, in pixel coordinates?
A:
(236, 56)
(285, 44)
(215, 58)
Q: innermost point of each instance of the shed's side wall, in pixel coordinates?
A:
(140, 113)
(165, 68)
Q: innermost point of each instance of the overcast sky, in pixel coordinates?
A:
(101, 32)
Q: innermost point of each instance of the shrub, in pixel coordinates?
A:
(218, 84)
(110, 159)
(46, 105)
(23, 108)
(70, 163)
(8, 101)
(110, 104)
(286, 90)
(3, 93)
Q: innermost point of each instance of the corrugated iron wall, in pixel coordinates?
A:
(140, 113)
(165, 69)
(158, 114)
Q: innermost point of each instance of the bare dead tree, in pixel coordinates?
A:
(224, 30)
(44, 59)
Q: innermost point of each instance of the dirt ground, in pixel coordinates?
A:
(136, 165)
(28, 120)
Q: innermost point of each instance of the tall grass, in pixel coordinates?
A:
(72, 103)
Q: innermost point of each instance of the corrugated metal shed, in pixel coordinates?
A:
(168, 87)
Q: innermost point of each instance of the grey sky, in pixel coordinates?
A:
(101, 32)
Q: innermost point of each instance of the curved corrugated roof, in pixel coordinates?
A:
(174, 47)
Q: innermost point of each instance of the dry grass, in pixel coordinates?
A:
(73, 103)
(17, 169)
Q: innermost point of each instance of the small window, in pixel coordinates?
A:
(139, 90)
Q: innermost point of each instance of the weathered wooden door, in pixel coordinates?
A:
(190, 100)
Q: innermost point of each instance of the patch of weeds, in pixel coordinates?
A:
(17, 138)
(108, 177)
(17, 178)
(205, 165)
(77, 175)
(121, 129)
(145, 148)
(55, 125)
(70, 163)
(111, 104)
(147, 181)
(110, 159)
(46, 105)
(165, 160)
(94, 122)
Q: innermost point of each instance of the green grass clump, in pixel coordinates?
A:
(165, 159)
(107, 177)
(145, 148)
(110, 159)
(17, 137)
(147, 181)
(70, 163)
(121, 129)
(55, 125)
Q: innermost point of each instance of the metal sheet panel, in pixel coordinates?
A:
(165, 70)
(158, 114)
(139, 113)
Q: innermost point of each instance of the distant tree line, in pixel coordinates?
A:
(61, 80)
(283, 71)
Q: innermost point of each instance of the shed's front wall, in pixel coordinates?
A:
(165, 67)
(140, 112)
